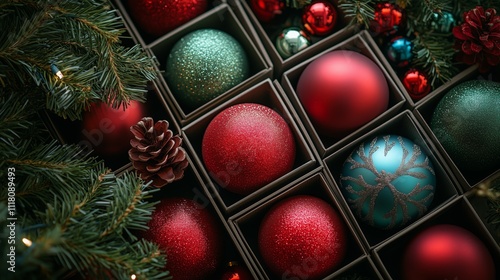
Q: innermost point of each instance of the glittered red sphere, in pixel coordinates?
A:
(267, 10)
(157, 17)
(302, 236)
(341, 91)
(190, 236)
(107, 129)
(416, 83)
(319, 17)
(447, 252)
(247, 146)
(236, 272)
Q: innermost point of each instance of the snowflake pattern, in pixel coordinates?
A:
(368, 193)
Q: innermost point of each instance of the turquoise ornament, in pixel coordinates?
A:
(388, 182)
(466, 122)
(203, 65)
(442, 22)
(400, 51)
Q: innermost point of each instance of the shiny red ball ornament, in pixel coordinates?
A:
(190, 236)
(107, 130)
(157, 17)
(388, 18)
(416, 83)
(319, 17)
(247, 146)
(341, 91)
(236, 272)
(447, 252)
(302, 236)
(267, 10)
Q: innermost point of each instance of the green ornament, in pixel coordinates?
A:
(203, 65)
(467, 124)
(442, 22)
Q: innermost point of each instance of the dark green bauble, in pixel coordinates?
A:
(467, 123)
(203, 65)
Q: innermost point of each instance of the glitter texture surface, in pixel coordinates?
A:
(203, 65)
(302, 236)
(247, 146)
(467, 123)
(190, 236)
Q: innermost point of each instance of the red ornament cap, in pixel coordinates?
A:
(319, 18)
(416, 83)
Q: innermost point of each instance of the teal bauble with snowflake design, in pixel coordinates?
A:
(388, 182)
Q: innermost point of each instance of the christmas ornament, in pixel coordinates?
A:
(267, 10)
(291, 41)
(204, 64)
(388, 182)
(442, 22)
(108, 129)
(400, 51)
(467, 125)
(156, 153)
(478, 38)
(416, 84)
(236, 272)
(247, 146)
(388, 18)
(341, 91)
(447, 252)
(319, 18)
(189, 235)
(302, 236)
(157, 17)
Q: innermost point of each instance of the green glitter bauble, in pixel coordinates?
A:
(204, 64)
(467, 124)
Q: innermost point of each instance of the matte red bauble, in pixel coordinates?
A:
(267, 10)
(190, 236)
(236, 272)
(341, 91)
(302, 236)
(157, 17)
(107, 129)
(247, 146)
(447, 252)
(319, 18)
(416, 83)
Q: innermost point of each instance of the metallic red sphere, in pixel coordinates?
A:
(341, 91)
(234, 271)
(388, 18)
(319, 18)
(267, 10)
(416, 83)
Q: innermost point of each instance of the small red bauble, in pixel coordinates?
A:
(319, 18)
(416, 83)
(247, 146)
(447, 252)
(190, 236)
(157, 17)
(302, 236)
(236, 272)
(341, 91)
(267, 10)
(388, 18)
(108, 129)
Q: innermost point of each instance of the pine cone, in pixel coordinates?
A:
(156, 153)
(478, 38)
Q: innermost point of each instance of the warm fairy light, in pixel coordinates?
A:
(27, 242)
(56, 71)
(133, 277)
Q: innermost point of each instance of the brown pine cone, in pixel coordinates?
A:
(156, 153)
(478, 38)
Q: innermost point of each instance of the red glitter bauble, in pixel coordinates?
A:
(107, 129)
(157, 17)
(416, 83)
(319, 18)
(247, 146)
(388, 18)
(447, 252)
(267, 10)
(190, 236)
(236, 272)
(341, 91)
(302, 236)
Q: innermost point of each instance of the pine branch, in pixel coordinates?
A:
(360, 12)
